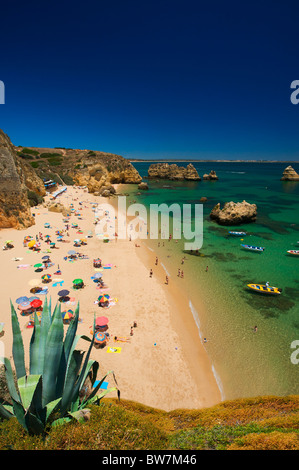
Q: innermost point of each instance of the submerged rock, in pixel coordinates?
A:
(234, 213)
(290, 174)
(143, 185)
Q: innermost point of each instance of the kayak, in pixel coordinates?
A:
(262, 289)
(238, 234)
(293, 252)
(258, 249)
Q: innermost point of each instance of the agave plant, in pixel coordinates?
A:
(53, 391)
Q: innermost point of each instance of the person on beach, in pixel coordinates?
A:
(179, 272)
(255, 329)
(151, 273)
(166, 280)
(207, 268)
(182, 274)
(156, 260)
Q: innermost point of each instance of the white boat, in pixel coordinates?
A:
(238, 234)
(258, 249)
(293, 252)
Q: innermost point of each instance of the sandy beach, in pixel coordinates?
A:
(163, 363)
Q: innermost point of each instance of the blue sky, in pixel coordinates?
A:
(158, 79)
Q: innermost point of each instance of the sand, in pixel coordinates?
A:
(163, 364)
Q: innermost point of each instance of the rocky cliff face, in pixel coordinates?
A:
(14, 175)
(234, 213)
(290, 174)
(173, 172)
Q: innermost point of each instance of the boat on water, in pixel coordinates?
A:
(258, 249)
(293, 252)
(263, 289)
(238, 234)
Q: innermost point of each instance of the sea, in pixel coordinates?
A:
(251, 339)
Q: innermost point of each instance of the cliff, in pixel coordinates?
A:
(173, 172)
(93, 169)
(290, 174)
(16, 179)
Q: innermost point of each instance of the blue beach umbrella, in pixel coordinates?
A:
(21, 300)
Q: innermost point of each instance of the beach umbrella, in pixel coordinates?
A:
(71, 252)
(63, 293)
(38, 265)
(78, 281)
(45, 257)
(99, 337)
(97, 276)
(32, 298)
(24, 305)
(46, 277)
(102, 321)
(31, 243)
(104, 298)
(36, 303)
(67, 315)
(20, 300)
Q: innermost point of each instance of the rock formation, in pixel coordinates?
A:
(211, 176)
(173, 172)
(234, 213)
(290, 174)
(15, 180)
(143, 185)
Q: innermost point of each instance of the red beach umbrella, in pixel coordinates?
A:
(36, 303)
(101, 321)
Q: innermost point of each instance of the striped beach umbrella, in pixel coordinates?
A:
(104, 298)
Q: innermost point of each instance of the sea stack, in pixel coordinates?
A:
(211, 176)
(290, 174)
(234, 213)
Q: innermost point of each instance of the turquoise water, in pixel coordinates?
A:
(246, 363)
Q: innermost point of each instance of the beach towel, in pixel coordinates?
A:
(103, 386)
(114, 350)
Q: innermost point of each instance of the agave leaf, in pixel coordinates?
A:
(54, 347)
(71, 333)
(51, 407)
(6, 411)
(17, 346)
(35, 347)
(27, 386)
(71, 378)
(45, 326)
(19, 412)
(10, 380)
(34, 424)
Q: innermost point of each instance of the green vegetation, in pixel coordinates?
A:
(34, 199)
(264, 423)
(27, 151)
(55, 390)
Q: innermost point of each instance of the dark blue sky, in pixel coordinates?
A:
(198, 79)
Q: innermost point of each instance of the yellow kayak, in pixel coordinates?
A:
(262, 289)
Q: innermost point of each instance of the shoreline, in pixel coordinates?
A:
(155, 366)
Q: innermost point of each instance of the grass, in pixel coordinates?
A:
(262, 423)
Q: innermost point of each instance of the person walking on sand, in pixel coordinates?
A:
(166, 280)
(156, 260)
(179, 272)
(151, 273)
(182, 274)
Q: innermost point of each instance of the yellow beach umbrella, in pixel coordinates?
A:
(31, 243)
